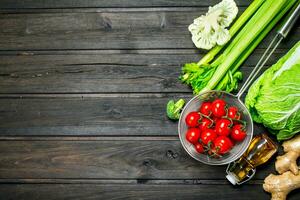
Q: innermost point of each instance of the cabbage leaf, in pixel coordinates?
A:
(274, 98)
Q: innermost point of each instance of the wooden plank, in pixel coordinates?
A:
(98, 72)
(87, 116)
(102, 71)
(106, 10)
(124, 181)
(106, 159)
(21, 4)
(104, 30)
(141, 191)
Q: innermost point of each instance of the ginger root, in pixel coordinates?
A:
(286, 165)
(280, 185)
(288, 161)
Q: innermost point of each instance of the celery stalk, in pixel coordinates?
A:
(245, 37)
(255, 43)
(233, 30)
(263, 34)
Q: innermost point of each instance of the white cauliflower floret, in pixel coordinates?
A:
(210, 29)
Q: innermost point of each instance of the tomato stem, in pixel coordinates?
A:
(207, 117)
(241, 121)
(209, 144)
(214, 155)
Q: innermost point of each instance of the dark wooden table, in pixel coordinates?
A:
(83, 87)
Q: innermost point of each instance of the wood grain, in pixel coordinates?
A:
(141, 191)
(83, 89)
(102, 71)
(106, 159)
(21, 4)
(117, 115)
(104, 30)
(85, 116)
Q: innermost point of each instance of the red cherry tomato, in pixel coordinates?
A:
(192, 119)
(208, 135)
(218, 108)
(233, 113)
(205, 123)
(205, 108)
(222, 145)
(223, 127)
(199, 148)
(238, 133)
(192, 135)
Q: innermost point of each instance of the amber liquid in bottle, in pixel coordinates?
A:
(260, 150)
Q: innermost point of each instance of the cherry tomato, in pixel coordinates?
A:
(233, 113)
(222, 145)
(208, 135)
(238, 133)
(192, 135)
(223, 127)
(205, 123)
(199, 148)
(192, 119)
(218, 108)
(205, 108)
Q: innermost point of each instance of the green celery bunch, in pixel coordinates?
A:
(232, 84)
(222, 73)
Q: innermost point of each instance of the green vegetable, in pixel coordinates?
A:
(210, 29)
(251, 30)
(252, 8)
(174, 109)
(232, 84)
(230, 81)
(211, 76)
(274, 99)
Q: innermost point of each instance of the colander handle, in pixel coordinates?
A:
(290, 20)
(282, 33)
(262, 61)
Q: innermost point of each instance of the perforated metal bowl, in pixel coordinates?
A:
(239, 148)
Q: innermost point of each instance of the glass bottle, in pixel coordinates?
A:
(260, 150)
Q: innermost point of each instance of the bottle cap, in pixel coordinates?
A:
(232, 179)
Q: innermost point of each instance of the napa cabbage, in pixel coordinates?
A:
(274, 99)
